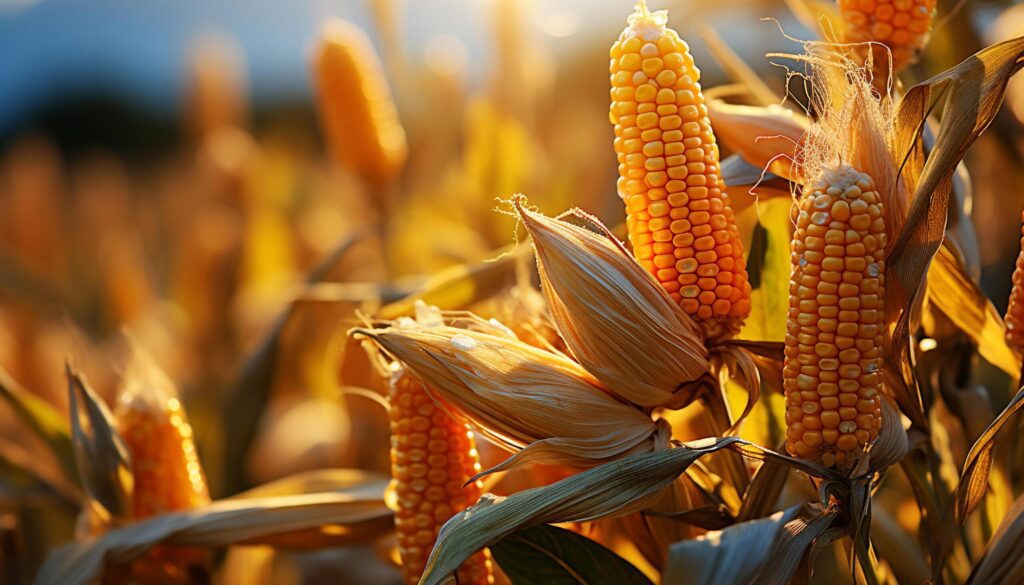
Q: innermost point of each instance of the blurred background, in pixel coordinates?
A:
(163, 172)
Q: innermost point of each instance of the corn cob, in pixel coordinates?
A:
(679, 219)
(900, 25)
(168, 477)
(432, 456)
(359, 118)
(1015, 309)
(833, 346)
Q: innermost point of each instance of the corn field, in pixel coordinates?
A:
(746, 306)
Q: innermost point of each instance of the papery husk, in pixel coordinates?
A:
(614, 317)
(1002, 562)
(535, 403)
(767, 136)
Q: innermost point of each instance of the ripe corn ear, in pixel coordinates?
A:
(679, 219)
(833, 346)
(1015, 309)
(432, 456)
(359, 118)
(168, 477)
(900, 25)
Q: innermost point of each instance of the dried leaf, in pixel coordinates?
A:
(356, 514)
(555, 556)
(104, 464)
(729, 556)
(607, 491)
(971, 94)
(961, 300)
(460, 286)
(789, 550)
(974, 478)
(617, 321)
(764, 490)
(1002, 562)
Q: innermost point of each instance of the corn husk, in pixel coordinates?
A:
(614, 317)
(540, 405)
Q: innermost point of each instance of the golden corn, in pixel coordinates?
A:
(833, 346)
(432, 456)
(679, 219)
(359, 118)
(168, 478)
(1015, 309)
(900, 25)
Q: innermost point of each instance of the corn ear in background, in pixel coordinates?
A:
(359, 118)
(165, 465)
(432, 457)
(1015, 309)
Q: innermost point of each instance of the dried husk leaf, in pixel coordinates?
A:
(353, 514)
(766, 136)
(974, 478)
(960, 299)
(789, 550)
(614, 317)
(971, 94)
(521, 397)
(103, 460)
(732, 555)
(611, 490)
(892, 443)
(764, 490)
(1002, 562)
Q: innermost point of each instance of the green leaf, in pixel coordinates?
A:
(555, 556)
(45, 421)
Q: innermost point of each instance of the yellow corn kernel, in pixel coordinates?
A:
(1015, 309)
(359, 118)
(678, 215)
(432, 456)
(833, 347)
(902, 26)
(168, 478)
